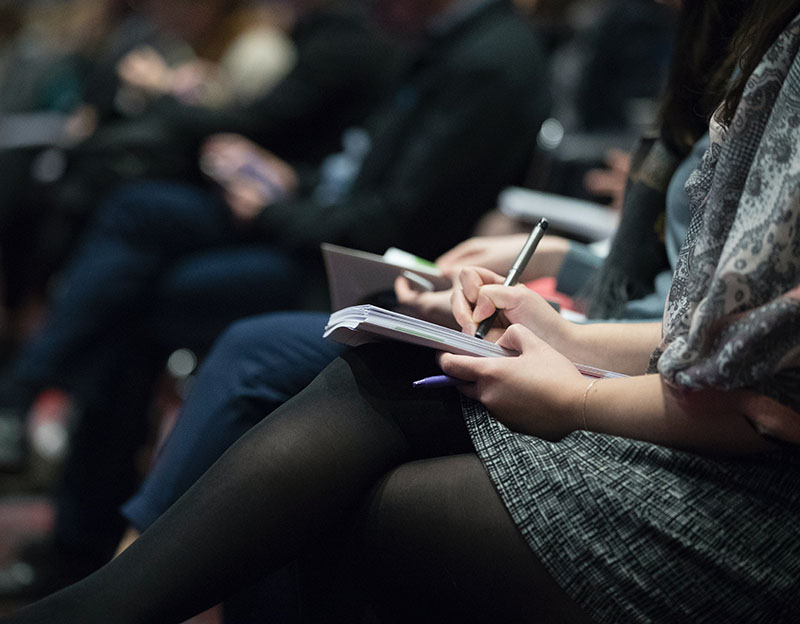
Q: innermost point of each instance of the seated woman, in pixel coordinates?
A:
(654, 497)
(261, 362)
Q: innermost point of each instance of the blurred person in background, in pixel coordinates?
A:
(169, 265)
(336, 69)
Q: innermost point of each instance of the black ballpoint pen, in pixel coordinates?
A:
(516, 270)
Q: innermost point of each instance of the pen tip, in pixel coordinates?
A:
(544, 223)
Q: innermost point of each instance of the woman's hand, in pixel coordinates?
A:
(433, 306)
(480, 292)
(539, 392)
(611, 180)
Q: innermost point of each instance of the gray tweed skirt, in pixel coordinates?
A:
(636, 532)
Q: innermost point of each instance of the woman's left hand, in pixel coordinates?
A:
(538, 392)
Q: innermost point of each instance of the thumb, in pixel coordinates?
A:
(464, 367)
(520, 339)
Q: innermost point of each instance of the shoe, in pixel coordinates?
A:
(41, 568)
(13, 447)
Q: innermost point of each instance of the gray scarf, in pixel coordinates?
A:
(732, 319)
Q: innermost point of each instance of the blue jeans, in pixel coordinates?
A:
(162, 266)
(255, 366)
(156, 253)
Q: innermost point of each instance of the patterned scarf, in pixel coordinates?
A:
(732, 319)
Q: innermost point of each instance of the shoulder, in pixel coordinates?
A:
(339, 40)
(498, 38)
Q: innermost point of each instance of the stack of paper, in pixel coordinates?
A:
(357, 325)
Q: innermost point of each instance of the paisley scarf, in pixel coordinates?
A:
(732, 319)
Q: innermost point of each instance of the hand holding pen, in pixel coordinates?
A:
(516, 271)
(472, 280)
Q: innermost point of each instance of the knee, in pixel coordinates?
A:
(279, 344)
(249, 356)
(146, 208)
(123, 211)
(239, 340)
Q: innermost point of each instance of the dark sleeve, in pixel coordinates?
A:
(442, 175)
(335, 79)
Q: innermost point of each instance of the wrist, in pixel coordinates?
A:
(583, 421)
(568, 338)
(572, 407)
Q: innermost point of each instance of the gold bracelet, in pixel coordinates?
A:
(586, 396)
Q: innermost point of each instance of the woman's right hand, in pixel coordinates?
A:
(479, 292)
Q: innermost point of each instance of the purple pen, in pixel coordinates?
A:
(437, 381)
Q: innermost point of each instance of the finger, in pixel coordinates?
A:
(403, 291)
(465, 367)
(223, 138)
(520, 339)
(599, 182)
(493, 297)
(618, 159)
(245, 202)
(461, 309)
(459, 251)
(472, 279)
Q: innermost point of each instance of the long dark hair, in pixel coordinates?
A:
(702, 65)
(718, 42)
(761, 25)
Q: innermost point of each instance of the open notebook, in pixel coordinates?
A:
(360, 324)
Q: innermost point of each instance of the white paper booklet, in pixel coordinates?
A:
(360, 324)
(354, 276)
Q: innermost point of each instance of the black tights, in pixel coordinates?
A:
(357, 458)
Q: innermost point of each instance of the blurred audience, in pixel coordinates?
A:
(342, 67)
(169, 264)
(259, 105)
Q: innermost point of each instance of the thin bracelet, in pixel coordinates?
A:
(586, 396)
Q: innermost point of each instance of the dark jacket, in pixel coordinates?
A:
(459, 127)
(344, 66)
